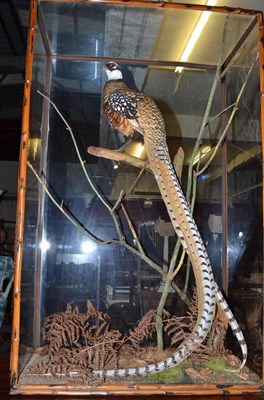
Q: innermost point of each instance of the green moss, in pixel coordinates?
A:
(171, 375)
(216, 364)
(177, 374)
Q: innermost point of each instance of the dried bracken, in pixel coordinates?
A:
(176, 328)
(145, 329)
(77, 342)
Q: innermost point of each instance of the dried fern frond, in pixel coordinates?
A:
(81, 339)
(176, 328)
(146, 328)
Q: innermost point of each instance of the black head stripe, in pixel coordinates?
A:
(112, 66)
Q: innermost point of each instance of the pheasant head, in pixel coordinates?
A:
(113, 71)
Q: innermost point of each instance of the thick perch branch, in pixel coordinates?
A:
(118, 156)
(178, 161)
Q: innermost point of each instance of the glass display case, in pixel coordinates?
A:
(113, 290)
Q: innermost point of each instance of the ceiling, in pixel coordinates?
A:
(13, 34)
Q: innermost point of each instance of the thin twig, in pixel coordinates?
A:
(66, 214)
(87, 176)
(179, 265)
(119, 200)
(224, 133)
(253, 187)
(136, 180)
(90, 347)
(133, 231)
(220, 113)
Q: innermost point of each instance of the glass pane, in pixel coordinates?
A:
(245, 239)
(137, 32)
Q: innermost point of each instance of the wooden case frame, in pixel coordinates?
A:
(165, 389)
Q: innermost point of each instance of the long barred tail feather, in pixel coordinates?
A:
(233, 325)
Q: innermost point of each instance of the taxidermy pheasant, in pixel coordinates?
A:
(133, 113)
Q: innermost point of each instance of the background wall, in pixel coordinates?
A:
(8, 182)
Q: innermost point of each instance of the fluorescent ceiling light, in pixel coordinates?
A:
(195, 34)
